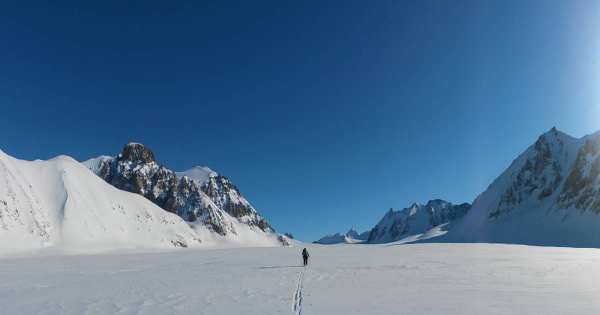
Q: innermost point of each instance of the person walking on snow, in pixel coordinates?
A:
(305, 255)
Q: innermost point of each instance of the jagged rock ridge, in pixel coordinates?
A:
(213, 202)
(416, 219)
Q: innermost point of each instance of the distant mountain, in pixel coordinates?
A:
(416, 219)
(197, 195)
(548, 196)
(349, 238)
(354, 234)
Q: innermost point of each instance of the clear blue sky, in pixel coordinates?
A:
(324, 113)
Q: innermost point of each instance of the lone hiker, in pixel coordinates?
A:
(305, 255)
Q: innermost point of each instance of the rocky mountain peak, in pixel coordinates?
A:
(352, 233)
(133, 151)
(198, 194)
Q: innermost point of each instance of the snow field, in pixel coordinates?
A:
(342, 279)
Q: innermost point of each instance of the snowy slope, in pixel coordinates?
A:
(548, 196)
(416, 219)
(60, 203)
(95, 164)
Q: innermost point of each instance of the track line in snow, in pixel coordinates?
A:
(297, 300)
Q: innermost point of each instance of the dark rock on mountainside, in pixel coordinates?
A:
(135, 170)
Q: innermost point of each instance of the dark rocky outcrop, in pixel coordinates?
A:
(135, 170)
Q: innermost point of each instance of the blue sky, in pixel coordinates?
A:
(324, 113)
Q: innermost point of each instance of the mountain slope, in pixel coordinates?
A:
(225, 196)
(60, 203)
(548, 196)
(198, 195)
(416, 219)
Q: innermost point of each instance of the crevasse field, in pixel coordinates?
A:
(341, 279)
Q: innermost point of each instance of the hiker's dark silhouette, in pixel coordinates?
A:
(305, 255)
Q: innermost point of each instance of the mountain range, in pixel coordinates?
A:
(549, 195)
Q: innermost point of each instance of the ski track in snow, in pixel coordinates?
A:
(297, 301)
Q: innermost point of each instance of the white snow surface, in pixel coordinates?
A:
(199, 174)
(341, 279)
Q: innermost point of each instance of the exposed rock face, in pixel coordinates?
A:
(136, 170)
(542, 173)
(284, 240)
(137, 152)
(289, 235)
(558, 170)
(228, 198)
(581, 187)
(416, 219)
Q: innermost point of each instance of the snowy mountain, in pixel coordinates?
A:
(416, 219)
(225, 196)
(60, 203)
(548, 196)
(349, 238)
(354, 234)
(197, 195)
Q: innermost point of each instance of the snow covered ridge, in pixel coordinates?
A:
(349, 238)
(417, 219)
(60, 203)
(198, 195)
